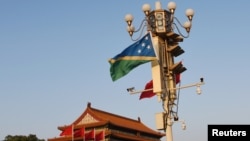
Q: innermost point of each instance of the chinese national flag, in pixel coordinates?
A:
(100, 136)
(90, 135)
(67, 132)
(177, 78)
(148, 94)
(80, 132)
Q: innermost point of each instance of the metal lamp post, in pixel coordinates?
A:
(163, 24)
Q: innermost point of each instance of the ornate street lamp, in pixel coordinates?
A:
(160, 21)
(162, 24)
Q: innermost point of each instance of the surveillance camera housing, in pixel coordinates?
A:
(176, 118)
(198, 90)
(202, 79)
(130, 89)
(183, 126)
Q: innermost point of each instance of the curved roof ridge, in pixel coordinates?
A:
(117, 115)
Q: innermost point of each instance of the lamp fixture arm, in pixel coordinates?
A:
(180, 31)
(142, 27)
(176, 19)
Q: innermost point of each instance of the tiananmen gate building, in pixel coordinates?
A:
(97, 125)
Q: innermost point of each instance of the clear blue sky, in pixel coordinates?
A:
(53, 61)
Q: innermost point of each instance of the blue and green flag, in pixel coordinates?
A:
(136, 54)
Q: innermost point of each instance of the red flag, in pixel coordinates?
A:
(177, 78)
(148, 93)
(80, 132)
(68, 131)
(100, 136)
(90, 135)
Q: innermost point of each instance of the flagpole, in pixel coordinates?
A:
(83, 138)
(72, 132)
(103, 135)
(94, 134)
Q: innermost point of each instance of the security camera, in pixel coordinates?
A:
(183, 126)
(202, 79)
(176, 118)
(131, 89)
(198, 90)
